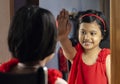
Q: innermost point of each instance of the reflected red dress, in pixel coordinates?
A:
(88, 74)
(53, 74)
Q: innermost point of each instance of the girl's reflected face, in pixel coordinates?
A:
(89, 35)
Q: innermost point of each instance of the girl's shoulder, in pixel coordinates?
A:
(103, 54)
(78, 47)
(6, 66)
(53, 74)
(105, 51)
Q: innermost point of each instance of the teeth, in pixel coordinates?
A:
(86, 43)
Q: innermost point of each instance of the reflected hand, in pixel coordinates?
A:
(64, 25)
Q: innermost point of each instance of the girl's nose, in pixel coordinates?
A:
(87, 36)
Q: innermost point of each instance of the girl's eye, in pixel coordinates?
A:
(83, 32)
(93, 33)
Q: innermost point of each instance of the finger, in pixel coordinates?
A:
(66, 14)
(61, 11)
(59, 18)
(69, 27)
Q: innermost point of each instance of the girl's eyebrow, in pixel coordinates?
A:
(93, 31)
(82, 29)
(90, 31)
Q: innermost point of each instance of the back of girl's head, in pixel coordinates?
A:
(32, 34)
(91, 16)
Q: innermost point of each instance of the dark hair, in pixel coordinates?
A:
(32, 2)
(32, 34)
(89, 19)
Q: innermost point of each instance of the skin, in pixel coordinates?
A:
(89, 37)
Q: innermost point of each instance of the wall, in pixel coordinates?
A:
(4, 25)
(56, 5)
(90, 4)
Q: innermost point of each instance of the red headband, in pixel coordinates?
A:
(96, 17)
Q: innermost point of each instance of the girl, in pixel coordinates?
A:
(90, 63)
(32, 39)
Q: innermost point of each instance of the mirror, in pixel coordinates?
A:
(74, 6)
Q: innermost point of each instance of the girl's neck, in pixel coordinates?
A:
(92, 51)
(32, 64)
(89, 57)
(26, 67)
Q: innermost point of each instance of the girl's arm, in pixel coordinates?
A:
(108, 68)
(64, 28)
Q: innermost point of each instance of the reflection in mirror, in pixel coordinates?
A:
(73, 8)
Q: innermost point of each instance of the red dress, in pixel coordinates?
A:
(88, 74)
(53, 74)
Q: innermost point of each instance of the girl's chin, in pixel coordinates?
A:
(87, 47)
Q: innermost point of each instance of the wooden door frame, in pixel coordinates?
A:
(11, 8)
(115, 40)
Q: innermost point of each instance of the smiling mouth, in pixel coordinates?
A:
(87, 43)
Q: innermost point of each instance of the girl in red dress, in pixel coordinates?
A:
(32, 40)
(90, 63)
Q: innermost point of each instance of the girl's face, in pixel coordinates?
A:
(89, 35)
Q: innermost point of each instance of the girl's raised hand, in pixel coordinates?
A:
(64, 25)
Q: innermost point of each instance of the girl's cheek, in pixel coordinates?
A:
(80, 38)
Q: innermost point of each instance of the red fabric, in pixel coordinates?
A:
(88, 74)
(63, 66)
(53, 74)
(5, 67)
